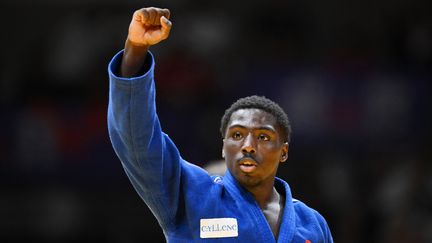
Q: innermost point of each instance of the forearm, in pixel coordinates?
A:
(134, 58)
(131, 110)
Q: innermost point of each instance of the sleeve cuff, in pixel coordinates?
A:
(114, 66)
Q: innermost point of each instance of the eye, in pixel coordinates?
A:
(237, 135)
(263, 137)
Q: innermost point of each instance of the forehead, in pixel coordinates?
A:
(252, 117)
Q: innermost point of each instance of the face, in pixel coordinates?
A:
(253, 147)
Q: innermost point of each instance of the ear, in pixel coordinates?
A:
(223, 149)
(284, 154)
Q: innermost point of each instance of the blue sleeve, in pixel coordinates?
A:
(149, 157)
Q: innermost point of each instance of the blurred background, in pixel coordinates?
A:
(353, 76)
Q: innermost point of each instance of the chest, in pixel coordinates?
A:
(273, 214)
(230, 219)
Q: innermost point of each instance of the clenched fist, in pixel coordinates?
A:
(149, 26)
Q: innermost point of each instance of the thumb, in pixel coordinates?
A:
(166, 26)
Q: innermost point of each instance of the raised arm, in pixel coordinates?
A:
(148, 27)
(149, 157)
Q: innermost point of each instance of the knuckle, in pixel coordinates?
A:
(152, 10)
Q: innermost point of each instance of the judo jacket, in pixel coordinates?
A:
(189, 204)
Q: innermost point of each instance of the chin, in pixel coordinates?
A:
(247, 181)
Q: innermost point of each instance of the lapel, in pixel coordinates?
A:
(262, 231)
(287, 227)
(288, 224)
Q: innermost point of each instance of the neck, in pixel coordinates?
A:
(264, 195)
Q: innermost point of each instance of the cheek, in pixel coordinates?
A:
(269, 148)
(232, 152)
(226, 151)
(230, 146)
(270, 152)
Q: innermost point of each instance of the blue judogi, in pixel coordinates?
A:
(190, 205)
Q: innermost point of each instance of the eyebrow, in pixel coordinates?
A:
(266, 128)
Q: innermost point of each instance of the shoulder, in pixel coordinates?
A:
(307, 217)
(306, 213)
(195, 175)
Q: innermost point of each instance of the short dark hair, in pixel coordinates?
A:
(261, 103)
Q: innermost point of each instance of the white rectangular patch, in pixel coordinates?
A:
(218, 228)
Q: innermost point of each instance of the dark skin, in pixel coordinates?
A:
(148, 27)
(250, 132)
(253, 148)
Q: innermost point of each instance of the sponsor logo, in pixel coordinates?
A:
(218, 228)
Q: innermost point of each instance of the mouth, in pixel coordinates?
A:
(247, 165)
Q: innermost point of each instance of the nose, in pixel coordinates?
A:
(249, 145)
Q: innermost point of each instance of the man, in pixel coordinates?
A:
(248, 204)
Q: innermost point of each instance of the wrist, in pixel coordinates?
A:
(133, 47)
(133, 60)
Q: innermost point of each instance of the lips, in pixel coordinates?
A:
(247, 165)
